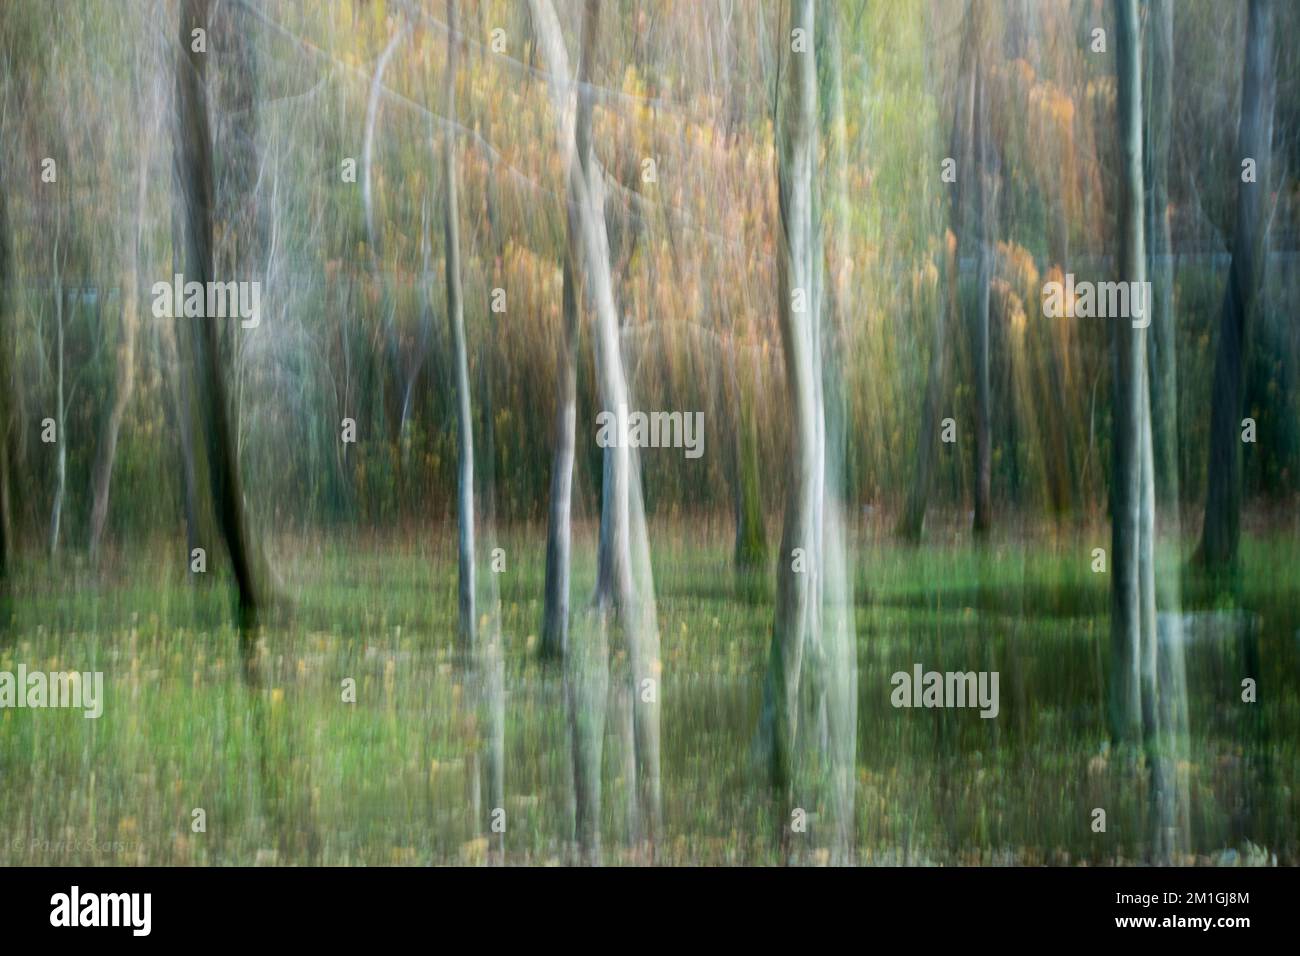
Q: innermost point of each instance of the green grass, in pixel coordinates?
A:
(388, 780)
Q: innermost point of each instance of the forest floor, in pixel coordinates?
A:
(389, 779)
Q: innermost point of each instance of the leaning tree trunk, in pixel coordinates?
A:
(1222, 528)
(194, 176)
(625, 587)
(460, 359)
(61, 409)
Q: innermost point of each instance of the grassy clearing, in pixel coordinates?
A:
(388, 779)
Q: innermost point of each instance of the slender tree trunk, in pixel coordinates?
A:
(106, 452)
(750, 550)
(1162, 356)
(984, 274)
(614, 588)
(1222, 527)
(962, 209)
(6, 411)
(911, 525)
(460, 359)
(61, 445)
(555, 614)
(1132, 600)
(490, 663)
(1166, 718)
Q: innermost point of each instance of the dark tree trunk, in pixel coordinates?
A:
(911, 525)
(750, 554)
(1222, 528)
(193, 157)
(1161, 343)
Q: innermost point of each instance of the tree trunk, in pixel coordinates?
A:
(6, 412)
(1162, 357)
(812, 632)
(106, 451)
(984, 274)
(61, 445)
(1167, 717)
(964, 210)
(456, 320)
(193, 157)
(750, 551)
(626, 589)
(1222, 528)
(1132, 601)
(555, 614)
(911, 525)
(200, 524)
(800, 256)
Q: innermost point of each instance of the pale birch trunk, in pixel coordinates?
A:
(625, 589)
(812, 631)
(456, 320)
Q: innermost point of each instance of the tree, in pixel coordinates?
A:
(750, 551)
(625, 585)
(1222, 526)
(555, 612)
(194, 178)
(812, 630)
(970, 213)
(1161, 344)
(61, 297)
(460, 360)
(1133, 639)
(6, 385)
(1168, 720)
